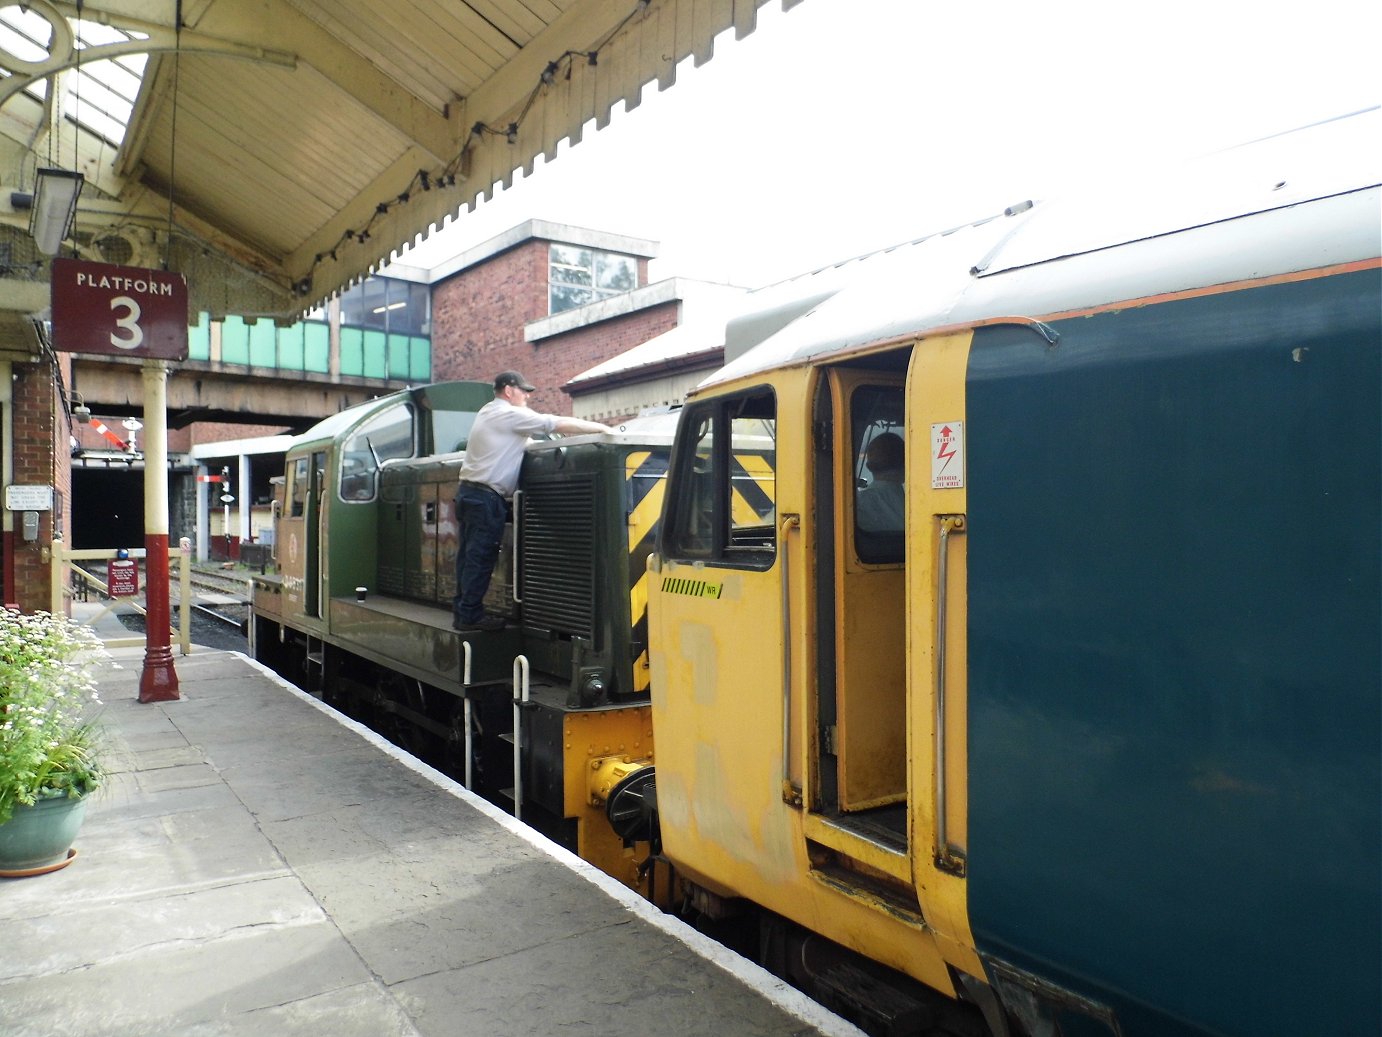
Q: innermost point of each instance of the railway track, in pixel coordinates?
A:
(219, 606)
(220, 594)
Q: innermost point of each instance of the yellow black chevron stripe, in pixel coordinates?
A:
(646, 478)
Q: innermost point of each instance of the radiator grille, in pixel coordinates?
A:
(557, 552)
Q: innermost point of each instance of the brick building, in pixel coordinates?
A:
(554, 301)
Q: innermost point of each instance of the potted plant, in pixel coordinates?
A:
(48, 740)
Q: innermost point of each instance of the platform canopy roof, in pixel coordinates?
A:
(276, 151)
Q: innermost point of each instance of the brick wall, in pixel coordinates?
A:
(40, 439)
(219, 431)
(575, 351)
(478, 317)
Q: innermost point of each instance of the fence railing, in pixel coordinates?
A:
(74, 578)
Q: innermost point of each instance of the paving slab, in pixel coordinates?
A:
(257, 864)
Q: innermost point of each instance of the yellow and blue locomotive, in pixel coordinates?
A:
(1080, 734)
(1091, 737)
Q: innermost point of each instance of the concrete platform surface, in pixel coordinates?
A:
(258, 865)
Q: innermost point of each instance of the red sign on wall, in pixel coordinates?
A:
(119, 310)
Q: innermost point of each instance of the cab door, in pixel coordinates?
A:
(316, 542)
(299, 535)
(869, 731)
(721, 591)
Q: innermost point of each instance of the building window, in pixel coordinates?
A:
(388, 305)
(579, 276)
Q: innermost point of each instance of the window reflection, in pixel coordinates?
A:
(579, 276)
(386, 435)
(723, 494)
(389, 305)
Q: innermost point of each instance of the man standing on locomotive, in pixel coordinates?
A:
(489, 475)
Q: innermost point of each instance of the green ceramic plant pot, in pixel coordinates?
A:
(38, 838)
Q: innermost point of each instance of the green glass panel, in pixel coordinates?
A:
(263, 344)
(290, 348)
(398, 356)
(235, 341)
(316, 347)
(199, 338)
(352, 351)
(420, 360)
(376, 355)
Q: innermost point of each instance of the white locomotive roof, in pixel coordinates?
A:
(655, 428)
(1296, 201)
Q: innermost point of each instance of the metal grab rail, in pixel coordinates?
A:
(465, 710)
(517, 520)
(946, 859)
(520, 699)
(790, 793)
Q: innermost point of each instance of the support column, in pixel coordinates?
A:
(7, 589)
(203, 514)
(159, 681)
(246, 501)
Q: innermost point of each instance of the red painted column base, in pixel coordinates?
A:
(159, 681)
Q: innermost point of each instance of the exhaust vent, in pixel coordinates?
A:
(557, 556)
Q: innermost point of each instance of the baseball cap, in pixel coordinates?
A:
(505, 378)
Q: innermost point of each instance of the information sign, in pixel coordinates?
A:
(118, 310)
(123, 576)
(29, 498)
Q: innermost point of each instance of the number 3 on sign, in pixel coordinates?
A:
(129, 323)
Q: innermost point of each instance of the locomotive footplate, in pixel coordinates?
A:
(418, 639)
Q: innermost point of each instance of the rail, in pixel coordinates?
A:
(66, 564)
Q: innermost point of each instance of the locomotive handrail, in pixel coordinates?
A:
(945, 859)
(465, 710)
(520, 699)
(790, 793)
(517, 521)
(275, 511)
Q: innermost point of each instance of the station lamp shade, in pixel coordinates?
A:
(55, 206)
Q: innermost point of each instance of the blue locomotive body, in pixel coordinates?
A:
(1173, 662)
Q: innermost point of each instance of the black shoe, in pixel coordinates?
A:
(483, 623)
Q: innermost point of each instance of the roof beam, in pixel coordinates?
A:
(246, 21)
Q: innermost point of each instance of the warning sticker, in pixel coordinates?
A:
(948, 455)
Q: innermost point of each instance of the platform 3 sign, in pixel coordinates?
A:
(119, 310)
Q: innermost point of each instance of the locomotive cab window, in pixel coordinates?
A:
(876, 427)
(386, 435)
(723, 486)
(298, 485)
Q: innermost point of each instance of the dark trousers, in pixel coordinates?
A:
(481, 513)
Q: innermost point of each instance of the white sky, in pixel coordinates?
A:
(844, 126)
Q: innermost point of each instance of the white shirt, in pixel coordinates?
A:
(494, 452)
(881, 506)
